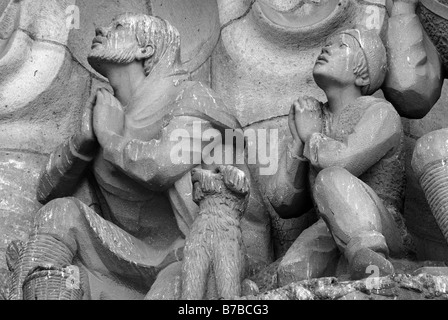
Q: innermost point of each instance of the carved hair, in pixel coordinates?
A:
(375, 57)
(360, 68)
(155, 31)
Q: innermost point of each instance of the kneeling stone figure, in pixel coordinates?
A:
(352, 149)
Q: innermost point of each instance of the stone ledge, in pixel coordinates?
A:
(395, 287)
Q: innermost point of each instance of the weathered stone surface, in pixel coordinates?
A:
(260, 65)
(196, 20)
(436, 25)
(267, 278)
(394, 287)
(19, 172)
(429, 241)
(263, 62)
(315, 254)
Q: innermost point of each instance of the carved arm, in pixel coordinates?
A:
(378, 132)
(414, 81)
(288, 190)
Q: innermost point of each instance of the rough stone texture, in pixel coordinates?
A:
(46, 80)
(42, 90)
(430, 243)
(260, 66)
(267, 280)
(436, 28)
(395, 287)
(315, 253)
(428, 238)
(46, 66)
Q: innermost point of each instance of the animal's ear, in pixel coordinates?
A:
(146, 52)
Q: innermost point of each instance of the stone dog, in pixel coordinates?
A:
(214, 247)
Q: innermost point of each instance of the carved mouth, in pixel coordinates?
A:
(97, 40)
(322, 59)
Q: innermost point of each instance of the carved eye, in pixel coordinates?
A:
(343, 45)
(119, 26)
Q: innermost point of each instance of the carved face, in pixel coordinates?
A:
(335, 65)
(117, 43)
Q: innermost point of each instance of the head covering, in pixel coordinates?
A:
(375, 54)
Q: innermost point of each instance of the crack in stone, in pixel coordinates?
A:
(240, 17)
(33, 37)
(225, 25)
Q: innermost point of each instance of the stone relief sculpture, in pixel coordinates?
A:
(119, 218)
(132, 229)
(429, 155)
(429, 163)
(214, 250)
(265, 58)
(352, 147)
(428, 159)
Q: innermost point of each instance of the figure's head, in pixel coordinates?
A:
(352, 57)
(134, 37)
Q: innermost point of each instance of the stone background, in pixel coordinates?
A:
(45, 79)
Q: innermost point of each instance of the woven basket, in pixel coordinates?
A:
(50, 284)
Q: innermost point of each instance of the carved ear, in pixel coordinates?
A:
(362, 81)
(144, 53)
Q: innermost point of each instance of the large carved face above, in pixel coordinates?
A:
(117, 44)
(335, 64)
(297, 13)
(304, 21)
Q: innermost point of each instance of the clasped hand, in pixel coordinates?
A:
(305, 118)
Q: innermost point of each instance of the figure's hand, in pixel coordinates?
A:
(84, 140)
(397, 7)
(108, 115)
(305, 118)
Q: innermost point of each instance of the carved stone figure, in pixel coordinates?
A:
(132, 221)
(430, 165)
(266, 53)
(46, 80)
(214, 251)
(430, 153)
(352, 147)
(427, 207)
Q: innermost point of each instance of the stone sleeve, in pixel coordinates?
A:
(287, 189)
(161, 161)
(64, 169)
(378, 132)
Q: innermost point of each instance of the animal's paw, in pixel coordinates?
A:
(235, 179)
(205, 182)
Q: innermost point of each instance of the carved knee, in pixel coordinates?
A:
(59, 218)
(329, 180)
(348, 205)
